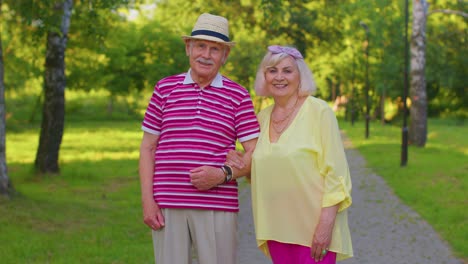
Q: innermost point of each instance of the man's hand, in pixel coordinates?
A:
(152, 215)
(206, 177)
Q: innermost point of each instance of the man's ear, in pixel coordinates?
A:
(187, 46)
(226, 55)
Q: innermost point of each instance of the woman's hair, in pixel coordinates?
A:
(307, 83)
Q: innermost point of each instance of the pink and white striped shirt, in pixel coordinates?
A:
(197, 127)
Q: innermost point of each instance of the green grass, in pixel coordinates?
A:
(91, 213)
(434, 182)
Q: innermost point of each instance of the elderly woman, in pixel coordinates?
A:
(301, 184)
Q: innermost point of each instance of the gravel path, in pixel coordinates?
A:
(383, 229)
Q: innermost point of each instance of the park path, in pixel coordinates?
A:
(383, 229)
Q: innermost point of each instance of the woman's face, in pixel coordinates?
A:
(283, 79)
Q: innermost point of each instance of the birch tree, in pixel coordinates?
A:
(418, 93)
(418, 89)
(6, 188)
(53, 113)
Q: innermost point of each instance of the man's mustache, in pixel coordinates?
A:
(205, 61)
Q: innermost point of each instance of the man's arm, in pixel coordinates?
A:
(152, 215)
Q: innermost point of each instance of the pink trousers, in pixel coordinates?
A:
(283, 253)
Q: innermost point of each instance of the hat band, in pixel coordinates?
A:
(210, 33)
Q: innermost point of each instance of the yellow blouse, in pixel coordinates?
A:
(292, 179)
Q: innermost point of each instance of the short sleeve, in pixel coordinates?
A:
(153, 115)
(247, 126)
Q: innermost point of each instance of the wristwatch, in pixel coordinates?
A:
(228, 172)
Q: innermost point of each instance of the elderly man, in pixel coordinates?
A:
(189, 195)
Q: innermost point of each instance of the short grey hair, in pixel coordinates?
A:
(307, 83)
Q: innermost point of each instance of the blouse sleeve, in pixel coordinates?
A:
(333, 164)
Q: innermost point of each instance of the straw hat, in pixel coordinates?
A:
(212, 28)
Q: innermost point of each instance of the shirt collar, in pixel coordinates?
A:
(217, 81)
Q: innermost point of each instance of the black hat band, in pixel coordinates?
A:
(210, 33)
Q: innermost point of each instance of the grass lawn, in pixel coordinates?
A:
(89, 214)
(434, 182)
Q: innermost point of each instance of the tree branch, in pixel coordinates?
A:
(447, 11)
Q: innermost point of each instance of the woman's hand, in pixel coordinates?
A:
(235, 159)
(323, 233)
(321, 241)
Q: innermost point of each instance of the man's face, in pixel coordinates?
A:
(206, 57)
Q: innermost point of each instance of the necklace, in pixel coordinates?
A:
(279, 128)
(277, 121)
(278, 125)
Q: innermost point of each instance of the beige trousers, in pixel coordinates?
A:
(212, 234)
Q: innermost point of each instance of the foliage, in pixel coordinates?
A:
(22, 53)
(446, 75)
(108, 49)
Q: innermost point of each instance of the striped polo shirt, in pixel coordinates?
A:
(197, 127)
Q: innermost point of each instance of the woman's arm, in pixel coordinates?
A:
(323, 232)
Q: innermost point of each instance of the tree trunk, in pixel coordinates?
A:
(53, 113)
(6, 188)
(418, 93)
(382, 107)
(333, 89)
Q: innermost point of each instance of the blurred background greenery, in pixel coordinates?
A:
(123, 47)
(118, 49)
